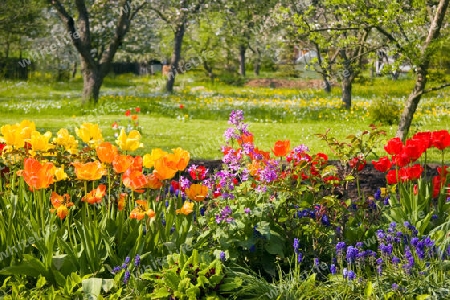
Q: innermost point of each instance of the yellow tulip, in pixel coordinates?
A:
(130, 142)
(149, 159)
(90, 134)
(11, 136)
(179, 158)
(26, 128)
(40, 142)
(60, 174)
(68, 141)
(186, 209)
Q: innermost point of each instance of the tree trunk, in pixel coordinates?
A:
(208, 70)
(412, 103)
(257, 63)
(347, 92)
(422, 71)
(176, 56)
(242, 50)
(92, 81)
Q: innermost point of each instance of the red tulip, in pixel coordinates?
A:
(424, 137)
(440, 139)
(383, 164)
(391, 177)
(394, 146)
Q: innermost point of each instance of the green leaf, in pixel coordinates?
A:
(423, 297)
(172, 280)
(92, 286)
(161, 293)
(40, 282)
(369, 289)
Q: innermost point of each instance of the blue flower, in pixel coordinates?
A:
(299, 257)
(379, 261)
(316, 262)
(296, 244)
(126, 277)
(395, 260)
(127, 260)
(359, 244)
(345, 273)
(351, 275)
(333, 269)
(340, 247)
(351, 253)
(222, 256)
(137, 260)
(395, 286)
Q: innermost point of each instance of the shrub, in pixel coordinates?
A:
(385, 111)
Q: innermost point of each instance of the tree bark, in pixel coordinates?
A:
(347, 90)
(412, 103)
(242, 50)
(422, 71)
(176, 56)
(257, 62)
(92, 81)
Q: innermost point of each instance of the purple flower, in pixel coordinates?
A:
(333, 269)
(236, 117)
(394, 286)
(124, 266)
(222, 256)
(247, 210)
(296, 244)
(299, 257)
(351, 275)
(316, 262)
(395, 260)
(377, 194)
(116, 270)
(137, 260)
(379, 261)
(414, 241)
(359, 244)
(351, 254)
(340, 248)
(126, 277)
(127, 260)
(380, 234)
(184, 183)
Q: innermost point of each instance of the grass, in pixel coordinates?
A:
(198, 126)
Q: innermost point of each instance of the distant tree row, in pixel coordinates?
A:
(229, 35)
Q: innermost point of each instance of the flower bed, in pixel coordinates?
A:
(83, 217)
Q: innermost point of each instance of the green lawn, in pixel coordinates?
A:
(198, 126)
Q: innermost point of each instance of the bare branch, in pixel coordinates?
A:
(436, 88)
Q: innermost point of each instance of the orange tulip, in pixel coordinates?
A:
(60, 204)
(134, 179)
(106, 152)
(281, 148)
(89, 171)
(96, 195)
(153, 182)
(121, 163)
(163, 168)
(122, 201)
(141, 211)
(254, 167)
(36, 175)
(197, 192)
(188, 207)
(246, 138)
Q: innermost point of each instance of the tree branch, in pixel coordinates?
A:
(390, 37)
(436, 88)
